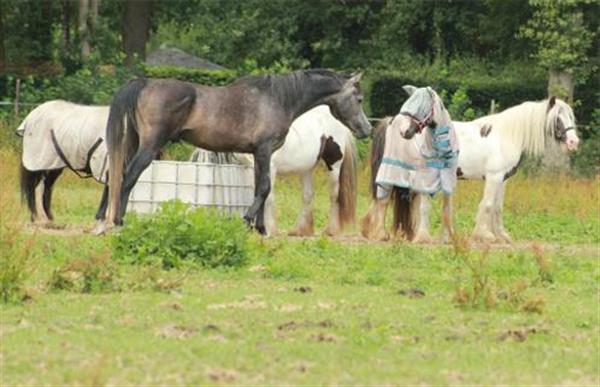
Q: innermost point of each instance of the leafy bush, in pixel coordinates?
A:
(14, 265)
(459, 105)
(178, 235)
(586, 161)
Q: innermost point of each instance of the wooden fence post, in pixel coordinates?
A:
(17, 93)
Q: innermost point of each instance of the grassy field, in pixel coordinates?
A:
(311, 311)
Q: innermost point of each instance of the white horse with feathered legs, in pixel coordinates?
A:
(313, 137)
(413, 155)
(492, 147)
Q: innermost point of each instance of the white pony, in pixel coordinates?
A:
(314, 136)
(413, 155)
(491, 148)
(58, 135)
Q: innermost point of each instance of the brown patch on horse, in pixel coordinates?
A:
(330, 151)
(485, 130)
(459, 173)
(514, 169)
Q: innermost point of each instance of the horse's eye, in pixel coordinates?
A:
(360, 98)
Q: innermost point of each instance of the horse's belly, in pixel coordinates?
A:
(291, 159)
(473, 160)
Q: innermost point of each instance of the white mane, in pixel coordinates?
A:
(527, 126)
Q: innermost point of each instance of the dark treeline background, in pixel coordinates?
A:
(473, 51)
(314, 33)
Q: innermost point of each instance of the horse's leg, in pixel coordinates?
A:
(333, 226)
(270, 209)
(501, 233)
(447, 218)
(305, 225)
(422, 234)
(483, 231)
(40, 218)
(147, 151)
(101, 213)
(49, 181)
(373, 224)
(262, 187)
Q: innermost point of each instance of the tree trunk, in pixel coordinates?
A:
(136, 28)
(2, 50)
(84, 33)
(560, 84)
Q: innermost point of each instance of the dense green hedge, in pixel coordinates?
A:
(387, 95)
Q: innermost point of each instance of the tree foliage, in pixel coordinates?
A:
(562, 38)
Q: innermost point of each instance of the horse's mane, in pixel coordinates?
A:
(526, 126)
(286, 87)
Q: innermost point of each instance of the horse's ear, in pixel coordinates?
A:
(410, 89)
(354, 78)
(551, 102)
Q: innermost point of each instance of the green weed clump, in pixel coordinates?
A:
(94, 275)
(178, 235)
(15, 248)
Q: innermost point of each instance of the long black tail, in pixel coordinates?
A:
(30, 180)
(122, 140)
(402, 197)
(377, 151)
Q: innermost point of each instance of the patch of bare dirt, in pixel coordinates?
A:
(520, 335)
(588, 249)
(221, 376)
(293, 325)
(176, 331)
(412, 293)
(248, 302)
(58, 230)
(303, 289)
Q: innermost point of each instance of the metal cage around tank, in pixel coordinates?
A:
(227, 187)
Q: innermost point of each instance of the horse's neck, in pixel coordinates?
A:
(524, 128)
(314, 93)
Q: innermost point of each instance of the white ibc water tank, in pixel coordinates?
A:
(227, 187)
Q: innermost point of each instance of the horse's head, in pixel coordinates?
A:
(423, 108)
(561, 121)
(346, 106)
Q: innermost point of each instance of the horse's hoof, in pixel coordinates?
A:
(100, 229)
(381, 237)
(504, 238)
(262, 230)
(301, 232)
(331, 232)
(422, 238)
(483, 237)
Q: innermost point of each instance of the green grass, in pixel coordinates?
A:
(314, 311)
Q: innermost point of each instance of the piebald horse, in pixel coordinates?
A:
(252, 115)
(491, 148)
(413, 155)
(315, 136)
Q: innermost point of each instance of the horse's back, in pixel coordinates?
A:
(74, 127)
